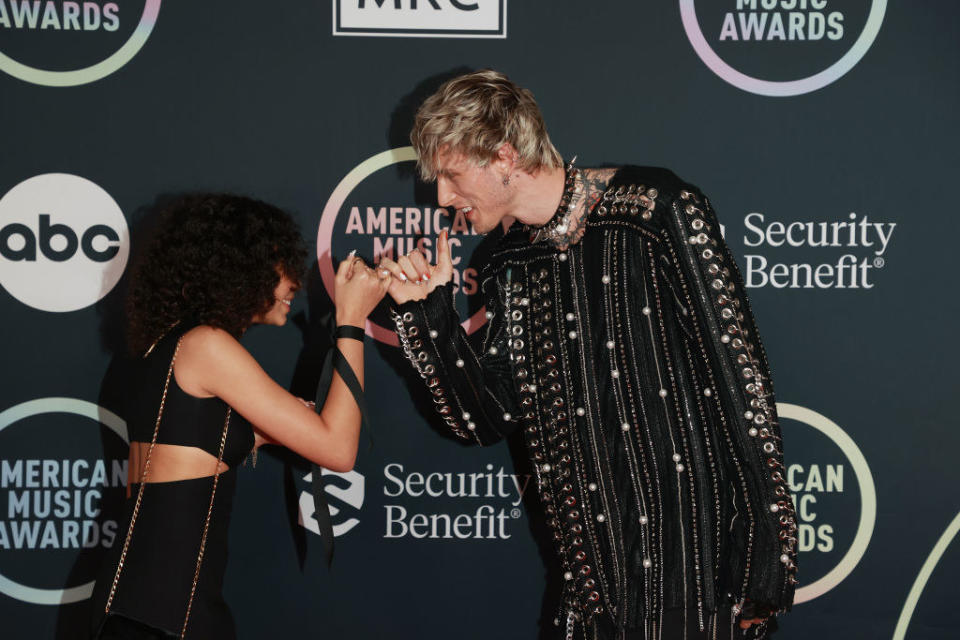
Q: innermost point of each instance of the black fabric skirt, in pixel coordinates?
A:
(154, 587)
(118, 627)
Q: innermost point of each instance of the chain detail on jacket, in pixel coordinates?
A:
(631, 363)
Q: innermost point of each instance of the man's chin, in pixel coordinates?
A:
(481, 228)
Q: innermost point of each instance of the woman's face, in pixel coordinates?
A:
(283, 296)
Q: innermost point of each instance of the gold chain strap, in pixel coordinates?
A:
(143, 478)
(143, 483)
(206, 525)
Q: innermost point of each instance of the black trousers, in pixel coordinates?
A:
(679, 625)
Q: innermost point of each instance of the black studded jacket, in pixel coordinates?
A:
(632, 364)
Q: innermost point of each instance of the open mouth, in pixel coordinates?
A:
(466, 211)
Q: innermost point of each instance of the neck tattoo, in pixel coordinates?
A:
(557, 228)
(583, 189)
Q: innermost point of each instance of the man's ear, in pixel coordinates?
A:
(505, 160)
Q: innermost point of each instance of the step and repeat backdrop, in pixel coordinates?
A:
(824, 131)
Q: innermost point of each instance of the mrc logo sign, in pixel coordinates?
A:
(64, 242)
(421, 18)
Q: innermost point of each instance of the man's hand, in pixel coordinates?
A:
(413, 278)
(753, 613)
(745, 624)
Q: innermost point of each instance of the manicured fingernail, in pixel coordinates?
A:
(403, 277)
(352, 253)
(425, 278)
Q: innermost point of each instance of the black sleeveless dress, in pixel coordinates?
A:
(154, 586)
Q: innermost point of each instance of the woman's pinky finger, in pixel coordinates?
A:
(386, 264)
(343, 270)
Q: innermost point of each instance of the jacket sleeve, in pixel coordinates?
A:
(471, 393)
(767, 534)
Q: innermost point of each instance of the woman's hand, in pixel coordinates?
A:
(358, 290)
(413, 278)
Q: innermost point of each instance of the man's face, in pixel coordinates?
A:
(477, 192)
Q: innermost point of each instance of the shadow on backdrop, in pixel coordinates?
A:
(73, 621)
(424, 194)
(401, 118)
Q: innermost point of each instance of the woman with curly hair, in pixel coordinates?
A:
(216, 265)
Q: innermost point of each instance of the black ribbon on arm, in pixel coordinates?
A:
(334, 360)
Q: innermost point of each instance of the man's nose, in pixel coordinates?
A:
(445, 195)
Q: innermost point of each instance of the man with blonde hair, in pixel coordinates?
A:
(622, 344)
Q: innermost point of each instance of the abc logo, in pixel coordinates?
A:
(63, 242)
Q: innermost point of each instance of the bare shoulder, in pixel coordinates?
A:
(210, 343)
(206, 354)
(204, 337)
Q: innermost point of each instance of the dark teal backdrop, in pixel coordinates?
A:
(837, 200)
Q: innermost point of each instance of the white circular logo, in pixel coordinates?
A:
(36, 30)
(817, 485)
(63, 242)
(52, 510)
(345, 492)
(746, 41)
(379, 222)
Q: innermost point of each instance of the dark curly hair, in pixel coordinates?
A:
(215, 259)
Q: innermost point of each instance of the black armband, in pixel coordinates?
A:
(349, 331)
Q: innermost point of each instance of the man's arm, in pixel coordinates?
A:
(471, 392)
(709, 275)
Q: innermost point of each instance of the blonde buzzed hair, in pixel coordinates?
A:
(476, 113)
